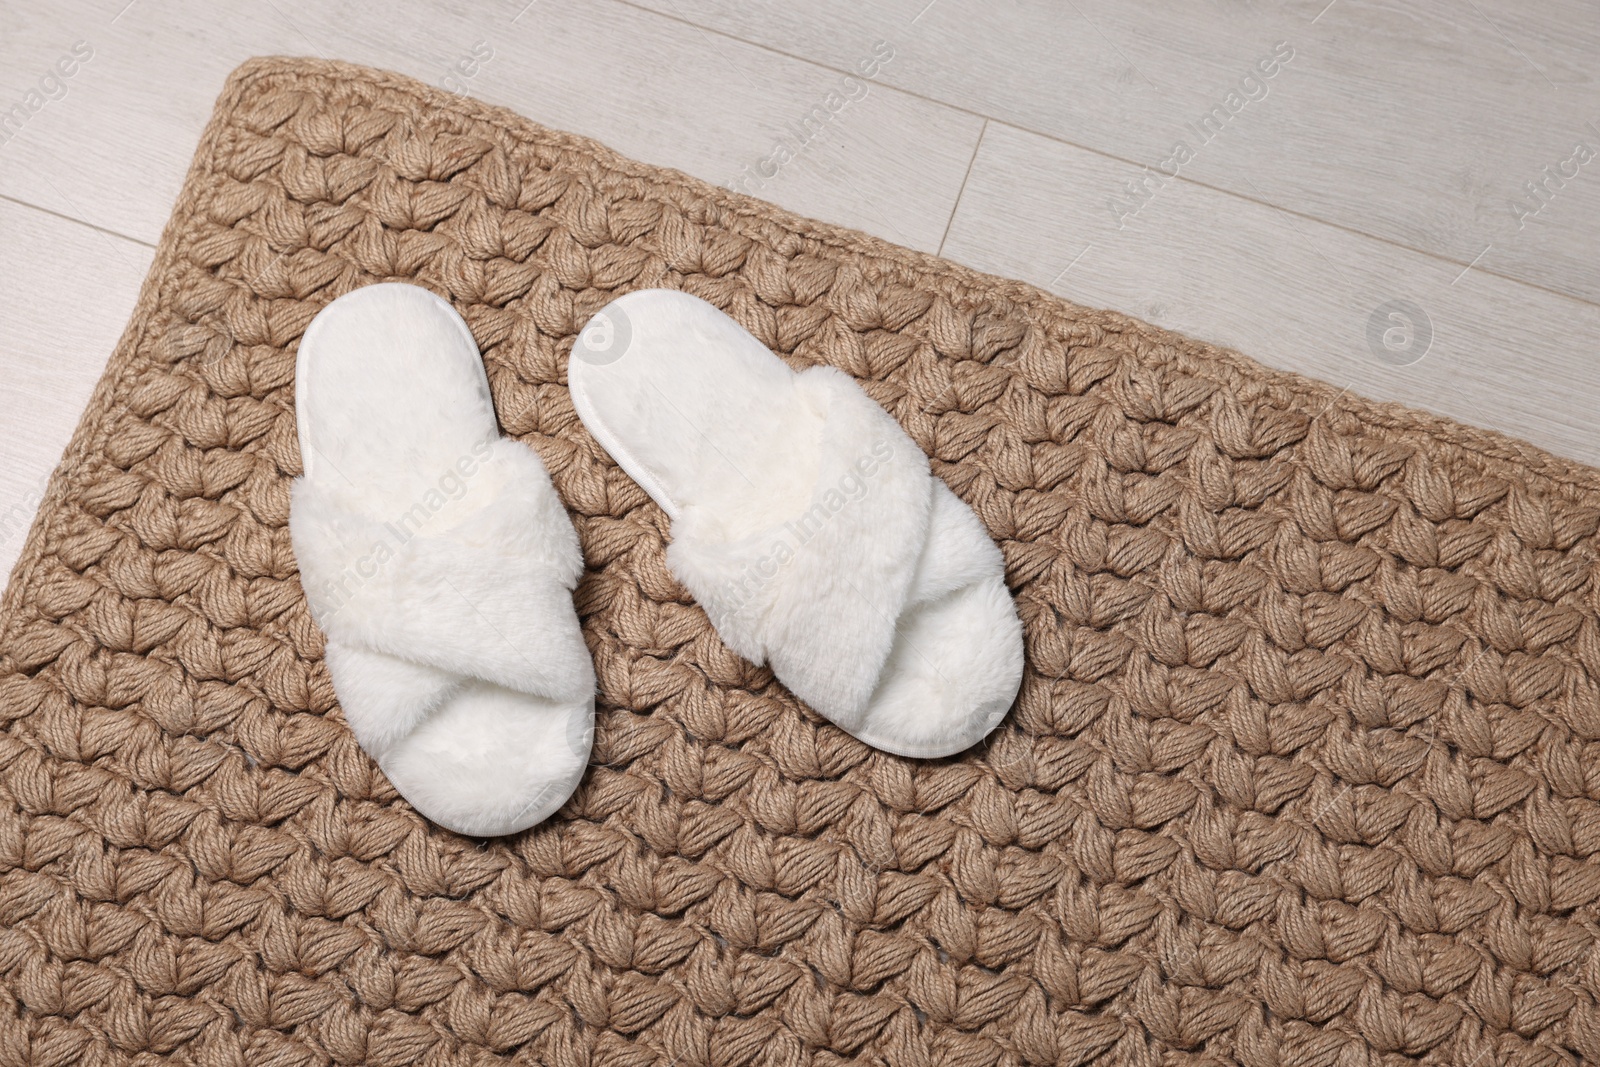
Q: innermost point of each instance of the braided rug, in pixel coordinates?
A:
(1304, 769)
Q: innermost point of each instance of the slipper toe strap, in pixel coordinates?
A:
(454, 586)
(819, 595)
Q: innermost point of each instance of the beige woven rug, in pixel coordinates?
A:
(1303, 771)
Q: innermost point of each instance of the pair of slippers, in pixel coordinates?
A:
(440, 563)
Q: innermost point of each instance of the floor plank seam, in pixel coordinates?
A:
(962, 190)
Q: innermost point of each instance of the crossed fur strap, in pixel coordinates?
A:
(818, 595)
(475, 586)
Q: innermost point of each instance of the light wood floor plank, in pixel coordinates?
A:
(1293, 293)
(1420, 123)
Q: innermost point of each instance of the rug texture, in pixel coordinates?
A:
(1304, 768)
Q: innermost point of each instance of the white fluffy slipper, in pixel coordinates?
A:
(806, 523)
(440, 564)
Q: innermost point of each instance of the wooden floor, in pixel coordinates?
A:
(1400, 198)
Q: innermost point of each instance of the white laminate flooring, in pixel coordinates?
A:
(1401, 199)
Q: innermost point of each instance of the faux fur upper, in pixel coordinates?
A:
(818, 591)
(480, 586)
